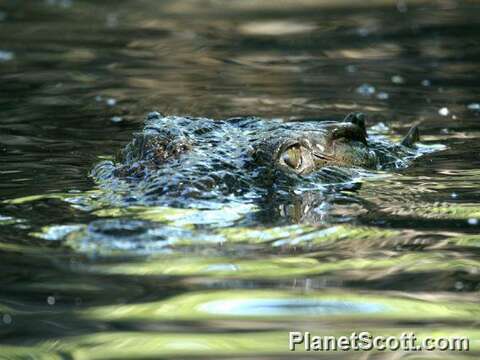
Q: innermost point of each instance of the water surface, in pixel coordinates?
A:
(398, 252)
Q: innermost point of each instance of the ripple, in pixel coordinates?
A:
(96, 274)
(290, 307)
(262, 304)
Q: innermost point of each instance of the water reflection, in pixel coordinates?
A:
(398, 253)
(290, 307)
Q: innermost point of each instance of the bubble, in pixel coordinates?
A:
(116, 119)
(51, 300)
(98, 98)
(454, 195)
(426, 82)
(459, 285)
(444, 111)
(111, 102)
(472, 221)
(382, 95)
(397, 79)
(366, 90)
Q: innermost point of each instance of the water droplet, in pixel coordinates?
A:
(444, 111)
(116, 119)
(111, 102)
(454, 195)
(98, 98)
(397, 79)
(472, 221)
(366, 90)
(459, 285)
(473, 106)
(382, 95)
(426, 82)
(51, 300)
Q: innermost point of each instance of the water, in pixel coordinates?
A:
(397, 253)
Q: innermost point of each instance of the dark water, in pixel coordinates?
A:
(398, 253)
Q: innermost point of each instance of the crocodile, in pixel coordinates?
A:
(194, 161)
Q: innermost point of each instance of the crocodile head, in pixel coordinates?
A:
(334, 143)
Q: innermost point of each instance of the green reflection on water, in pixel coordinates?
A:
(465, 211)
(288, 267)
(186, 218)
(467, 240)
(131, 345)
(193, 306)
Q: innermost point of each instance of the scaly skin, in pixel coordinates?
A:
(175, 158)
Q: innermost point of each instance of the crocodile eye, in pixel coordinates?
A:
(293, 157)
